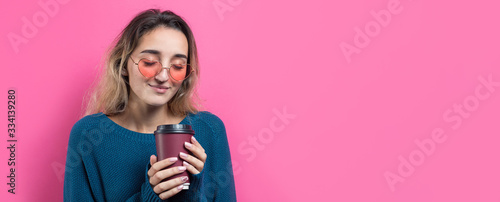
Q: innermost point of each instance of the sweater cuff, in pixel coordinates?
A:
(196, 184)
(196, 188)
(148, 193)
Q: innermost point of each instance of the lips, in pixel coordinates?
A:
(159, 86)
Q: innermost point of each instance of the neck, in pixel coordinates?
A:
(144, 118)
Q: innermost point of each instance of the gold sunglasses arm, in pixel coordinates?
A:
(136, 63)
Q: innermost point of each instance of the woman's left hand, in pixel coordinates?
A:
(194, 164)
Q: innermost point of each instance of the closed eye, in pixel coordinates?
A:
(178, 66)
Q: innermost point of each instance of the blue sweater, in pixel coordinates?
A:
(107, 162)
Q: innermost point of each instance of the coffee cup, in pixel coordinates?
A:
(170, 140)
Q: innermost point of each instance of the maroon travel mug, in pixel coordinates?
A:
(170, 142)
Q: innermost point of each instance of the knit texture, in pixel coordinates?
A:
(107, 162)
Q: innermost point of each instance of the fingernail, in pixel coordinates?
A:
(183, 155)
(188, 145)
(181, 168)
(185, 163)
(180, 187)
(173, 159)
(194, 139)
(185, 178)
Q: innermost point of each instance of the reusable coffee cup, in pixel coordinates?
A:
(170, 142)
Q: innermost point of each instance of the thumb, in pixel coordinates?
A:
(152, 159)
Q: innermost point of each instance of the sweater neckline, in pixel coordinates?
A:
(134, 134)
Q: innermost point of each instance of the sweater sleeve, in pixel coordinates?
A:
(223, 173)
(76, 182)
(147, 193)
(216, 181)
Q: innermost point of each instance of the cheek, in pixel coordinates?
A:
(173, 83)
(133, 71)
(176, 86)
(137, 83)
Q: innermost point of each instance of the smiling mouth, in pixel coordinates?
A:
(160, 90)
(159, 87)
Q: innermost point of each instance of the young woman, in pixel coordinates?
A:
(150, 77)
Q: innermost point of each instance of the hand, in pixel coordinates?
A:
(194, 164)
(155, 175)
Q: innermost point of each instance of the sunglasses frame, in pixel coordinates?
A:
(162, 67)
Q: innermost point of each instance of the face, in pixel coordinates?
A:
(166, 45)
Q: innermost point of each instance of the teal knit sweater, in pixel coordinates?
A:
(107, 162)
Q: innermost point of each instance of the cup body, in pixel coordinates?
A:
(170, 142)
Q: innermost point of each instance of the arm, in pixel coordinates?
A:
(212, 180)
(82, 181)
(76, 181)
(225, 189)
(147, 193)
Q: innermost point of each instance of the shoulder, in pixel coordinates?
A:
(208, 116)
(209, 119)
(85, 124)
(89, 120)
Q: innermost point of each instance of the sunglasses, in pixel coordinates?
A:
(150, 68)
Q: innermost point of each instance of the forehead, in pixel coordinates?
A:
(167, 41)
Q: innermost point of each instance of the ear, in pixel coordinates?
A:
(124, 72)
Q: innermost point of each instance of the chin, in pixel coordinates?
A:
(157, 104)
(157, 100)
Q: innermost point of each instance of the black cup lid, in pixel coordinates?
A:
(174, 128)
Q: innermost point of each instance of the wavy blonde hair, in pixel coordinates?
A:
(110, 95)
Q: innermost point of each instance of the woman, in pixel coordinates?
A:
(149, 80)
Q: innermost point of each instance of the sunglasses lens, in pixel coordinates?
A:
(149, 68)
(179, 72)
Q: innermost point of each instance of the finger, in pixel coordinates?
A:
(190, 168)
(163, 174)
(197, 163)
(152, 160)
(167, 185)
(160, 165)
(171, 192)
(197, 151)
(196, 143)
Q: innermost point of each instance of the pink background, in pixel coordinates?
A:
(356, 118)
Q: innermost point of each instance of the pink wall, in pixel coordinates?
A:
(384, 88)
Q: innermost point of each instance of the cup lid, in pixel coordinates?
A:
(174, 128)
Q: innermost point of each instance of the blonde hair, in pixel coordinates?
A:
(110, 95)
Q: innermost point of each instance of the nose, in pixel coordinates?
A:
(162, 76)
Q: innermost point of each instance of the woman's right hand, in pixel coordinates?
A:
(155, 174)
